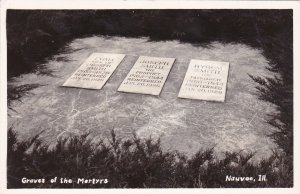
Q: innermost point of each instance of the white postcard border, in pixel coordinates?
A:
(92, 4)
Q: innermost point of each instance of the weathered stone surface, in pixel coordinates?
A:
(147, 76)
(95, 71)
(183, 124)
(205, 80)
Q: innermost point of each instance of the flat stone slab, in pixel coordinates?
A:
(95, 71)
(147, 76)
(186, 125)
(205, 80)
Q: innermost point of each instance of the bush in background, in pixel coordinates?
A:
(33, 35)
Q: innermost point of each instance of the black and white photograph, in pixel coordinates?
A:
(142, 97)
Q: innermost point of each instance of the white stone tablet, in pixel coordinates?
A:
(147, 76)
(95, 71)
(205, 80)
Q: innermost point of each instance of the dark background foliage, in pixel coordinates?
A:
(35, 35)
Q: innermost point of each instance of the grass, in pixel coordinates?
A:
(135, 163)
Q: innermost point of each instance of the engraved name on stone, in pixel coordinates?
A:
(147, 75)
(95, 71)
(205, 80)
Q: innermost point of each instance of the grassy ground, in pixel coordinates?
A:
(35, 35)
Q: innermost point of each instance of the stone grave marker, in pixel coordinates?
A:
(147, 76)
(205, 80)
(95, 71)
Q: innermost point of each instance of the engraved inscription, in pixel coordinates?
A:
(147, 76)
(95, 71)
(205, 80)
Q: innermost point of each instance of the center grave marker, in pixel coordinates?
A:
(205, 80)
(95, 71)
(147, 76)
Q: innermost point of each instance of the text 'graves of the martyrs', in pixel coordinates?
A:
(147, 76)
(95, 71)
(205, 80)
